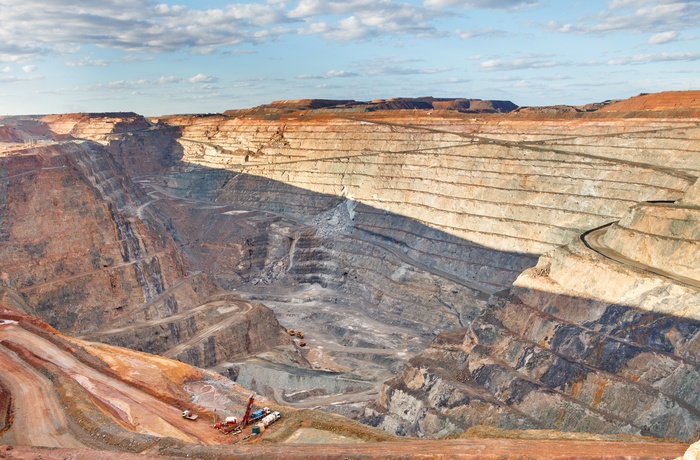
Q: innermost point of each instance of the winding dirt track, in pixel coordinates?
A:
(40, 418)
(593, 240)
(236, 312)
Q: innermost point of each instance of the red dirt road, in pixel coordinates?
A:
(39, 416)
(483, 449)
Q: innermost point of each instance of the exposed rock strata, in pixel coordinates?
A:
(665, 236)
(583, 343)
(497, 185)
(80, 249)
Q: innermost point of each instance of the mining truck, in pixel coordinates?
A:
(189, 415)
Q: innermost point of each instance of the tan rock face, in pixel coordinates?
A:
(600, 336)
(666, 237)
(692, 196)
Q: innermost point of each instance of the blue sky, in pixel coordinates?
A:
(163, 57)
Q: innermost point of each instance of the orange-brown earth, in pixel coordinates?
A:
(666, 101)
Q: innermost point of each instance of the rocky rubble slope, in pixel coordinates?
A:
(67, 398)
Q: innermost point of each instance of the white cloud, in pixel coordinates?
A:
(201, 78)
(399, 70)
(88, 62)
(329, 74)
(475, 33)
(645, 16)
(340, 74)
(29, 68)
(308, 8)
(662, 37)
(29, 28)
(132, 58)
(388, 65)
(238, 52)
(13, 78)
(363, 19)
(167, 79)
(491, 4)
(657, 57)
(6, 69)
(122, 84)
(497, 65)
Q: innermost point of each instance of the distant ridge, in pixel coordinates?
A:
(400, 103)
(667, 100)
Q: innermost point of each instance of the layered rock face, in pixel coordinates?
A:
(80, 251)
(472, 201)
(665, 236)
(502, 185)
(581, 344)
(600, 336)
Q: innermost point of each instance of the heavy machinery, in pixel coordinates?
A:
(231, 425)
(189, 415)
(266, 421)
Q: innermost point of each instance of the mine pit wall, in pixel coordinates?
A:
(521, 365)
(475, 202)
(544, 358)
(72, 248)
(500, 190)
(663, 236)
(560, 354)
(517, 367)
(85, 250)
(311, 239)
(252, 332)
(581, 343)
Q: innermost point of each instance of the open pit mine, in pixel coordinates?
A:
(445, 277)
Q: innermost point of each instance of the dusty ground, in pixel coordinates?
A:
(475, 449)
(41, 418)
